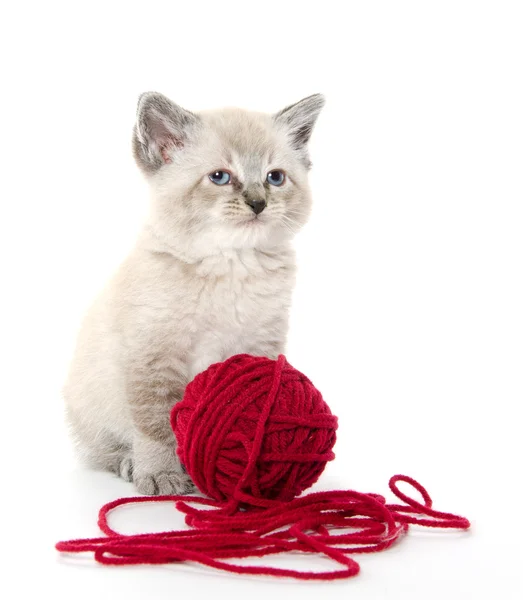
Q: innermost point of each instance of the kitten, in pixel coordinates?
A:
(210, 276)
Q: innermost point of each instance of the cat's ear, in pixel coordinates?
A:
(299, 119)
(161, 127)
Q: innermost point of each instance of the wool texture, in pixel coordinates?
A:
(254, 433)
(251, 430)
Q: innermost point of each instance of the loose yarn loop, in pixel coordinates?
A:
(253, 434)
(252, 430)
(310, 525)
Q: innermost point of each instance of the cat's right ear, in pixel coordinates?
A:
(162, 127)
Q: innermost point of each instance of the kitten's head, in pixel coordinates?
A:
(225, 179)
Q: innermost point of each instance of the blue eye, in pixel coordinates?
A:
(275, 177)
(220, 177)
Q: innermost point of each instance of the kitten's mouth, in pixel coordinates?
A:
(252, 221)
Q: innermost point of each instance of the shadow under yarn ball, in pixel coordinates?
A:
(252, 430)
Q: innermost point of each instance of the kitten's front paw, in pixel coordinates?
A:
(164, 484)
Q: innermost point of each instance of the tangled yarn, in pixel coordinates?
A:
(252, 430)
(254, 433)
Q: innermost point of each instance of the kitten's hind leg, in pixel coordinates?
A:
(109, 454)
(102, 450)
(126, 467)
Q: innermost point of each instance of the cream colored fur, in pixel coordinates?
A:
(207, 279)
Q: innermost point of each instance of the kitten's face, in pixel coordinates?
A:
(225, 179)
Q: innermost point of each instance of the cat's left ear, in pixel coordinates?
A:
(299, 119)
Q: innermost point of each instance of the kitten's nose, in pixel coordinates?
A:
(256, 204)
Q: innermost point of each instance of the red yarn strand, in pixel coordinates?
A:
(302, 525)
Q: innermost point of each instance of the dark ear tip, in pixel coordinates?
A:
(145, 99)
(311, 104)
(144, 95)
(318, 99)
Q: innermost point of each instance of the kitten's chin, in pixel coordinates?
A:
(254, 233)
(215, 238)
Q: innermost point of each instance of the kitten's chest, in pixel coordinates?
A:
(240, 290)
(239, 303)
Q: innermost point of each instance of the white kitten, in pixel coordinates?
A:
(210, 276)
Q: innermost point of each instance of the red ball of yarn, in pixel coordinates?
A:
(253, 430)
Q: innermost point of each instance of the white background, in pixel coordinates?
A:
(408, 309)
